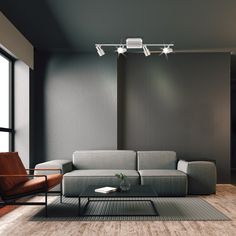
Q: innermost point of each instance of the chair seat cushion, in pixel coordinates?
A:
(165, 182)
(36, 184)
(75, 182)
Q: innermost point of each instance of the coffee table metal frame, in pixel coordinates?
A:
(122, 196)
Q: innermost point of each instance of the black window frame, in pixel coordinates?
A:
(11, 129)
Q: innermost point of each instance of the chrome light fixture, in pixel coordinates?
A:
(167, 50)
(146, 51)
(100, 51)
(121, 50)
(135, 43)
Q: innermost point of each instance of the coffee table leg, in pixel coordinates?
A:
(79, 206)
(154, 208)
(86, 205)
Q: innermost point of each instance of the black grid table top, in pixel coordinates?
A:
(135, 191)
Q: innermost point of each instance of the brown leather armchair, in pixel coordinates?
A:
(16, 183)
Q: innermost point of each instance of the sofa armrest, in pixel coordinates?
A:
(63, 165)
(183, 166)
(201, 176)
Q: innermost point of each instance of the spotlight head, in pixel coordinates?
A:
(167, 50)
(100, 51)
(146, 51)
(121, 50)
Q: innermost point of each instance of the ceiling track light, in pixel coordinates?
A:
(100, 51)
(135, 43)
(146, 51)
(166, 50)
(121, 50)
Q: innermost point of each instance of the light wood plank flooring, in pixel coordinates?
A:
(16, 222)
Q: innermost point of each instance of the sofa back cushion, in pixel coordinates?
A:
(148, 160)
(11, 164)
(117, 159)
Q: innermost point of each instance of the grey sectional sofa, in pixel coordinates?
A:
(160, 169)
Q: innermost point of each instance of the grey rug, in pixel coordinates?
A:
(169, 209)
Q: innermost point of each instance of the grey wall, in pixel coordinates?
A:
(74, 105)
(180, 104)
(21, 111)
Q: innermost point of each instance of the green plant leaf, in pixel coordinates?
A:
(121, 176)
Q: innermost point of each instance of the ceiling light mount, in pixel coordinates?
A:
(135, 43)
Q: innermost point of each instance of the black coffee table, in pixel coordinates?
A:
(136, 193)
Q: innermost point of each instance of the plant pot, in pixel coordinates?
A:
(124, 185)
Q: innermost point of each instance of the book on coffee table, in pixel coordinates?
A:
(105, 190)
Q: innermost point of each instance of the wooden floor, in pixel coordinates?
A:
(16, 222)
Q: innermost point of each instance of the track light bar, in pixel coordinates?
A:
(135, 43)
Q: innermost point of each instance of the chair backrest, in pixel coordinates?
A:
(114, 159)
(156, 160)
(11, 164)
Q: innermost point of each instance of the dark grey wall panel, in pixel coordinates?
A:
(77, 104)
(179, 104)
(233, 111)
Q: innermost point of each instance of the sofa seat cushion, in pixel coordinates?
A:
(165, 182)
(162, 173)
(36, 184)
(75, 182)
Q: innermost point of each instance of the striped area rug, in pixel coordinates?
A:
(169, 209)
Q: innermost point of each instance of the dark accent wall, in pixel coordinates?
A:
(74, 104)
(82, 101)
(233, 112)
(181, 103)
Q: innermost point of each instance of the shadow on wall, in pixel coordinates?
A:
(38, 145)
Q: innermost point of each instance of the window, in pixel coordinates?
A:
(6, 103)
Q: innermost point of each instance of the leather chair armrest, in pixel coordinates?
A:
(29, 175)
(44, 169)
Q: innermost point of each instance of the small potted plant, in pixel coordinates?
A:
(124, 183)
